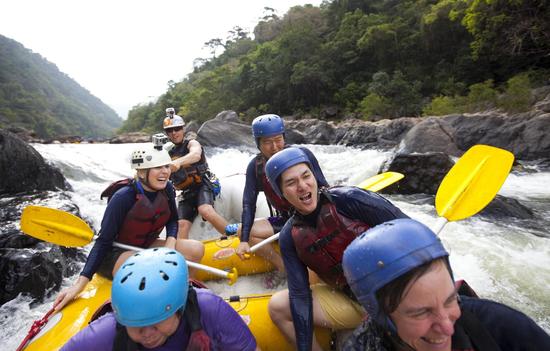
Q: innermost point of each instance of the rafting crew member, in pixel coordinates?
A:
(400, 272)
(268, 132)
(325, 221)
(155, 308)
(191, 175)
(135, 215)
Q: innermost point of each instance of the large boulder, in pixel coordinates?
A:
(423, 172)
(432, 134)
(23, 169)
(310, 131)
(225, 130)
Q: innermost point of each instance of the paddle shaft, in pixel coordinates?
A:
(212, 270)
(374, 183)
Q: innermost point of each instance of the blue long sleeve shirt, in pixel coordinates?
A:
(354, 203)
(251, 191)
(118, 207)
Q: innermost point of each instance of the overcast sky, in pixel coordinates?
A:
(125, 51)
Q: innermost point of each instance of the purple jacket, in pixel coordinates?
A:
(226, 329)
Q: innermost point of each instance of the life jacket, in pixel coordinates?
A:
(322, 247)
(198, 340)
(281, 205)
(186, 177)
(476, 333)
(145, 220)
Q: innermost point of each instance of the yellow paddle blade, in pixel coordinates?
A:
(473, 182)
(380, 181)
(55, 226)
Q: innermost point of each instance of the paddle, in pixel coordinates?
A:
(471, 183)
(65, 229)
(374, 183)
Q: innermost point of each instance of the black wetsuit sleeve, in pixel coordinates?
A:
(301, 305)
(321, 181)
(364, 205)
(172, 225)
(113, 218)
(511, 330)
(250, 195)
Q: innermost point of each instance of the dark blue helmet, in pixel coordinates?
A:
(383, 254)
(282, 161)
(266, 126)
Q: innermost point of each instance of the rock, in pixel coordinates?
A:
(228, 116)
(504, 207)
(220, 132)
(22, 168)
(313, 131)
(383, 134)
(432, 134)
(133, 137)
(423, 172)
(33, 271)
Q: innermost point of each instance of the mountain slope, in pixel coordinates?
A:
(35, 95)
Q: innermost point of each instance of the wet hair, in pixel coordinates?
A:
(390, 295)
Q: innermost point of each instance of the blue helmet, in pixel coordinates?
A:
(384, 253)
(282, 161)
(266, 126)
(150, 286)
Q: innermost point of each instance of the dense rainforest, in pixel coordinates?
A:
(368, 59)
(36, 96)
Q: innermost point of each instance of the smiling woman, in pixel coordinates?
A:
(400, 272)
(135, 215)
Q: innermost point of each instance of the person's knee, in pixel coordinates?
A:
(279, 307)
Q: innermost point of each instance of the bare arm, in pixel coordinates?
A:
(194, 156)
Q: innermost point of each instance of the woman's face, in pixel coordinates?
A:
(427, 313)
(154, 335)
(157, 177)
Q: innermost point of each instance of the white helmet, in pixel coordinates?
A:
(173, 122)
(149, 157)
(170, 110)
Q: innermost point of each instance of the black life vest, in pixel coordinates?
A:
(186, 177)
(281, 205)
(198, 340)
(145, 220)
(322, 247)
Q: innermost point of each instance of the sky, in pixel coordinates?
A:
(125, 51)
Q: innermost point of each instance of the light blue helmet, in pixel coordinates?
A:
(266, 126)
(383, 254)
(282, 161)
(150, 286)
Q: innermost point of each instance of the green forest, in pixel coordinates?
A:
(371, 59)
(36, 96)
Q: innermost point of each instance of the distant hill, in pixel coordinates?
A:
(35, 95)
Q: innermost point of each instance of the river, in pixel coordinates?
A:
(504, 260)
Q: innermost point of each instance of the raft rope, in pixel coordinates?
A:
(35, 329)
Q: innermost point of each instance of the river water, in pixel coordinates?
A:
(504, 260)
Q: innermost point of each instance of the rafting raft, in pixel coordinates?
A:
(88, 306)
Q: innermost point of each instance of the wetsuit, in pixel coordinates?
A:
(354, 203)
(226, 329)
(488, 326)
(113, 218)
(251, 190)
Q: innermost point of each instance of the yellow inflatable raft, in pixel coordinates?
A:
(220, 253)
(76, 316)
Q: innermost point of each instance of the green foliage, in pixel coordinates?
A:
(376, 58)
(35, 95)
(517, 96)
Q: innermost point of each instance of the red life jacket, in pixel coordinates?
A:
(321, 248)
(281, 205)
(145, 220)
(184, 178)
